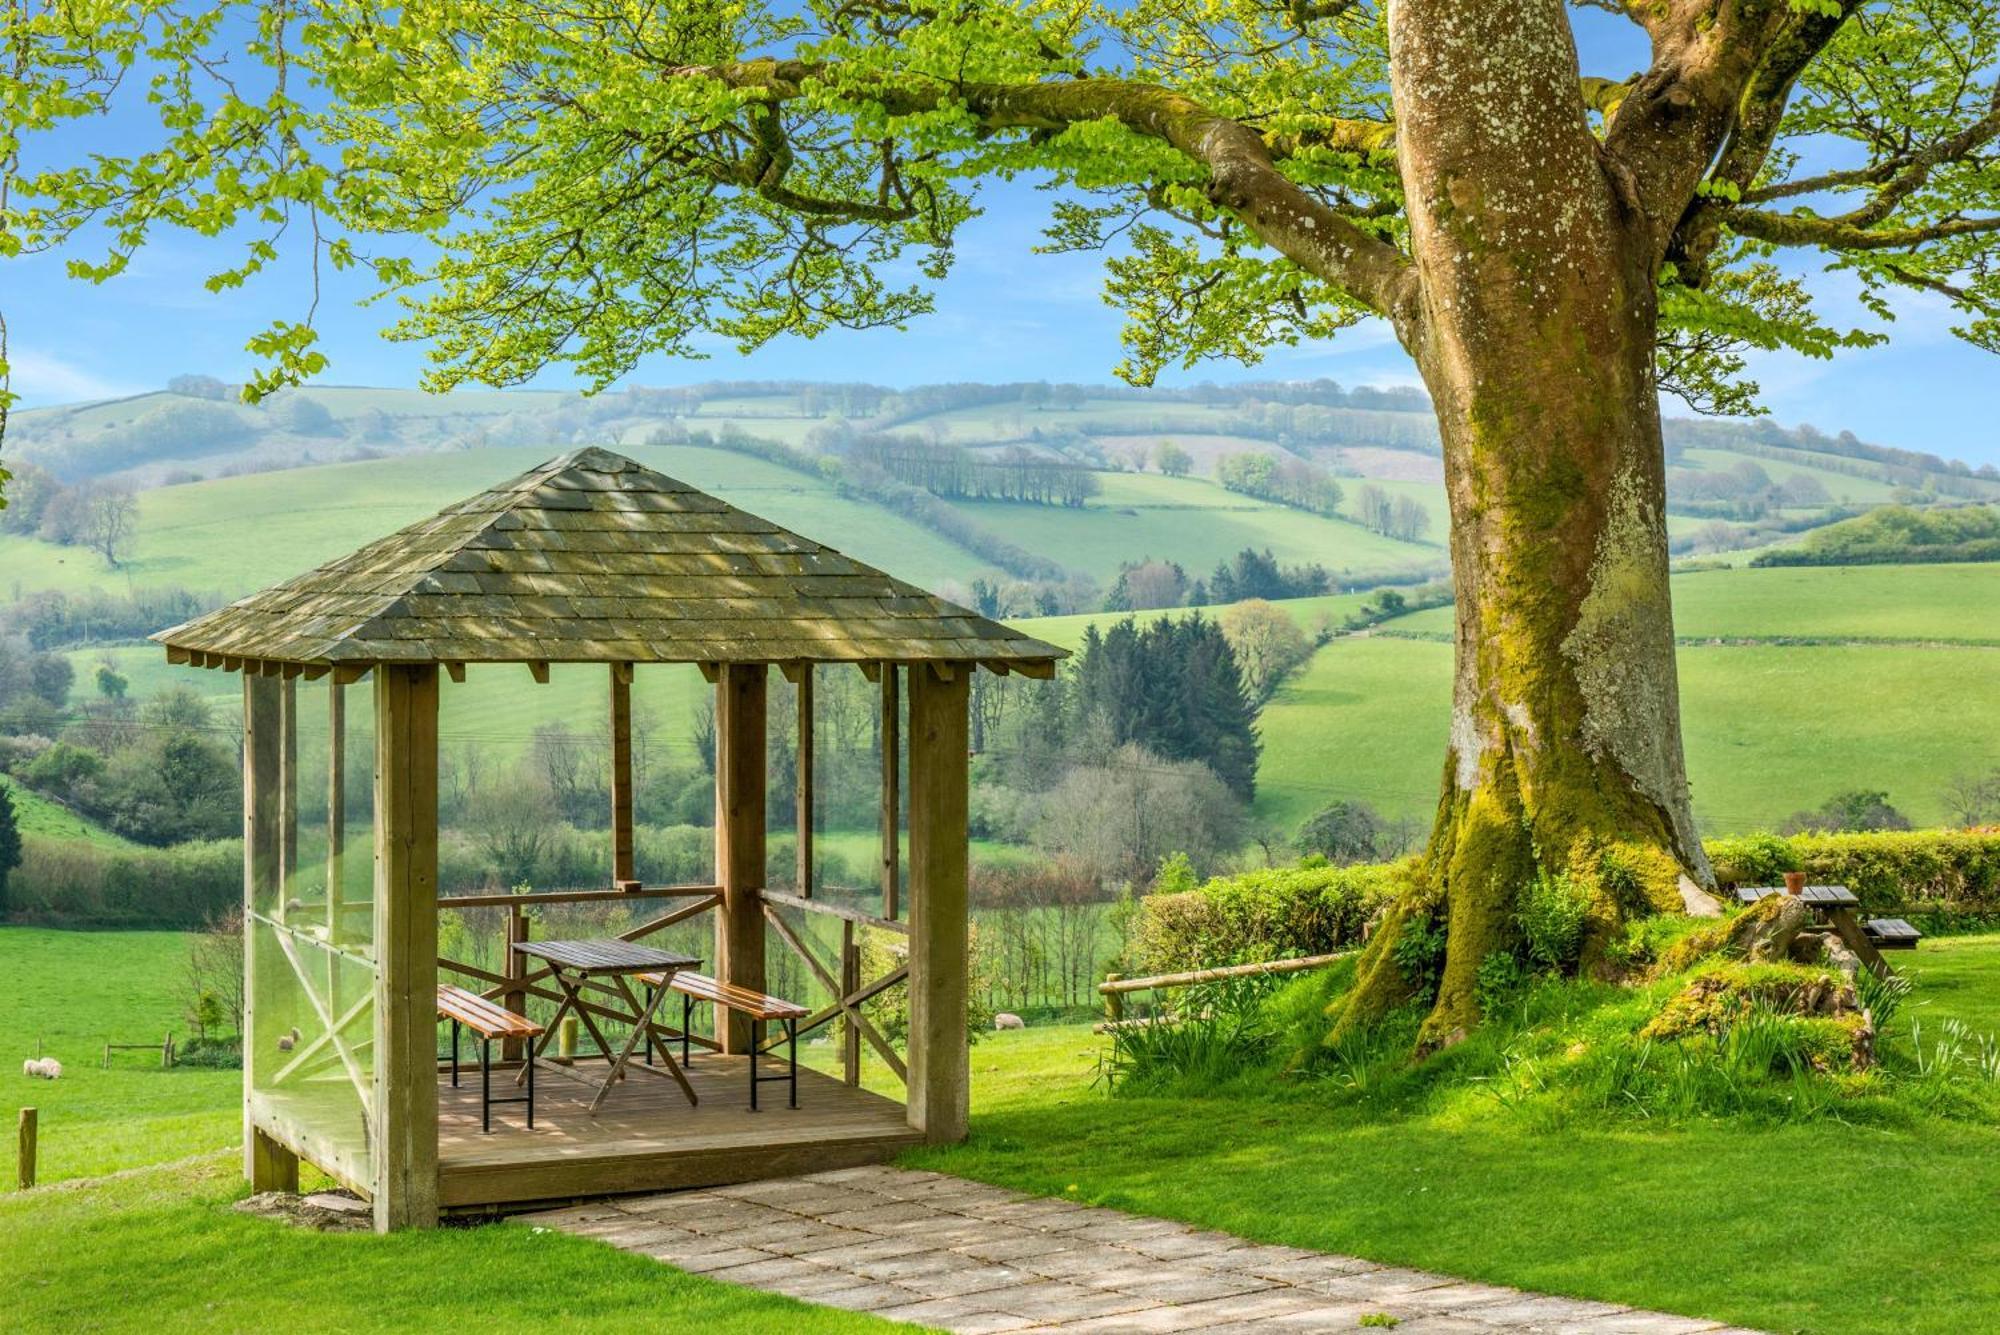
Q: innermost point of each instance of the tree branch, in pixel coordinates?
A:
(1804, 229)
(1242, 176)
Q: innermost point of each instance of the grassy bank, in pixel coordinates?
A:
(1827, 1226)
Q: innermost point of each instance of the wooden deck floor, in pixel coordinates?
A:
(647, 1138)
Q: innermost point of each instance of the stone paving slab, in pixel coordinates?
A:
(953, 1255)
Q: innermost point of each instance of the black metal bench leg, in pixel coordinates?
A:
(531, 1083)
(651, 1042)
(454, 1054)
(755, 1038)
(792, 1041)
(687, 1018)
(485, 1084)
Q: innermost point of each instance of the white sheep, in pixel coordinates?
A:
(42, 1068)
(1009, 1020)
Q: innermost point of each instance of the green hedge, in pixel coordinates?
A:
(1262, 915)
(70, 882)
(1939, 876)
(1946, 873)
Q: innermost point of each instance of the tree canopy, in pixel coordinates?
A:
(594, 183)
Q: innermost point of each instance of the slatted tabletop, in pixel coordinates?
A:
(607, 955)
(1819, 896)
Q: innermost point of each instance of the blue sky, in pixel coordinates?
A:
(1005, 314)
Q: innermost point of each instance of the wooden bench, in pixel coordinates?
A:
(758, 1006)
(1891, 934)
(489, 1020)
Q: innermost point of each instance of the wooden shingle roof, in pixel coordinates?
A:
(595, 558)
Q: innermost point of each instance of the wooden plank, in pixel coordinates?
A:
(831, 910)
(804, 785)
(577, 896)
(456, 671)
(288, 791)
(539, 670)
(621, 775)
(336, 811)
(1116, 984)
(406, 764)
(27, 1134)
(740, 707)
(262, 742)
(850, 981)
(891, 796)
(940, 1061)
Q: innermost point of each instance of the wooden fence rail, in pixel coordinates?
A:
(1115, 986)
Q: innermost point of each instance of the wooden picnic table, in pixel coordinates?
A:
(1834, 906)
(576, 964)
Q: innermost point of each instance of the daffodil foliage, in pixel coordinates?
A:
(593, 181)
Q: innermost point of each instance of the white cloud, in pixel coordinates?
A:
(42, 380)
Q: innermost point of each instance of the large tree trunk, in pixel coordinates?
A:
(1536, 340)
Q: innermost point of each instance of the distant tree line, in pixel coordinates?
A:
(1393, 516)
(1149, 583)
(1895, 534)
(99, 515)
(1288, 481)
(954, 472)
(53, 619)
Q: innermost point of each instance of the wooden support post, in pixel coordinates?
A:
(739, 838)
(336, 811)
(892, 803)
(939, 1053)
(24, 1165)
(622, 861)
(515, 967)
(272, 1166)
(850, 983)
(263, 745)
(805, 783)
(405, 1057)
(288, 790)
(1114, 1002)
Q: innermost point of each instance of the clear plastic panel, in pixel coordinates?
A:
(312, 958)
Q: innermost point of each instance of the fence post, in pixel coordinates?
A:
(167, 1053)
(1114, 1002)
(25, 1169)
(850, 983)
(515, 967)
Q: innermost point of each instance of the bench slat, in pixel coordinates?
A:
(757, 1005)
(486, 1018)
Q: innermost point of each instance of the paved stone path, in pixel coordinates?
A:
(942, 1252)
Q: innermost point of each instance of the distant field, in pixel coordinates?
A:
(1769, 730)
(37, 815)
(1939, 602)
(1191, 521)
(234, 535)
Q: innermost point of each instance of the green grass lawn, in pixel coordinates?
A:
(161, 1251)
(67, 994)
(1822, 1227)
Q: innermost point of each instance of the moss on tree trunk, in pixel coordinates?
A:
(1536, 341)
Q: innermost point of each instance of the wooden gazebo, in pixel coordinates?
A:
(589, 558)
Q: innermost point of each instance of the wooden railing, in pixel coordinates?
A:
(844, 982)
(1115, 987)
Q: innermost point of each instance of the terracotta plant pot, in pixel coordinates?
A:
(1795, 882)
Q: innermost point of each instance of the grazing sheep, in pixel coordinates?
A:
(42, 1068)
(285, 1043)
(31, 1068)
(1009, 1020)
